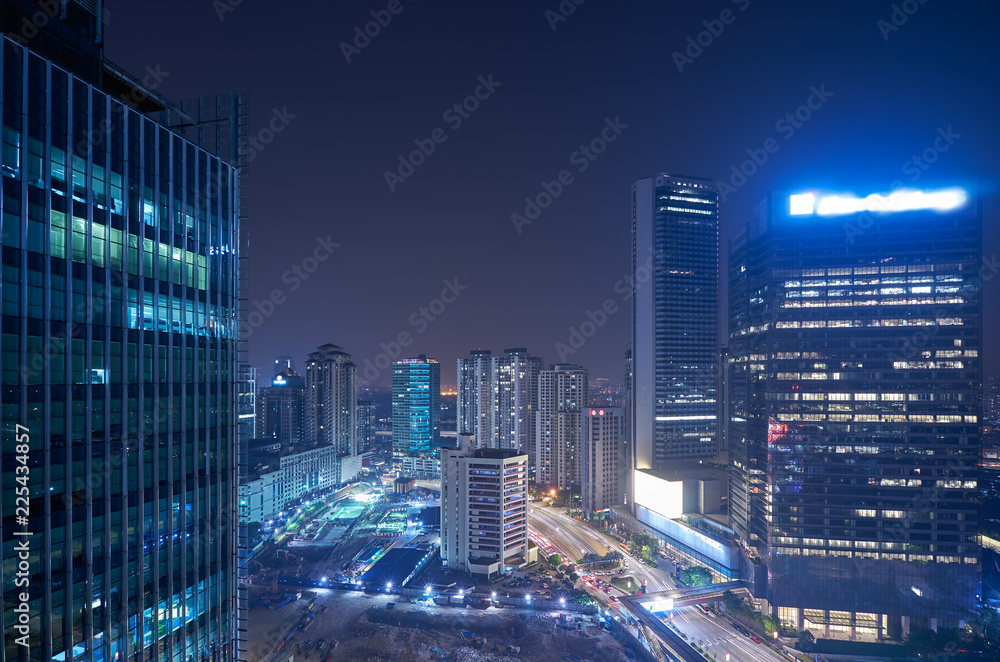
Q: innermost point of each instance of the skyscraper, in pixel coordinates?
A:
(563, 396)
(675, 321)
(332, 399)
(416, 395)
(120, 309)
(856, 330)
(475, 402)
(484, 509)
(367, 420)
(603, 443)
(498, 398)
(515, 388)
(247, 402)
(282, 409)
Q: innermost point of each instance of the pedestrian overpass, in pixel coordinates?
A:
(643, 612)
(685, 597)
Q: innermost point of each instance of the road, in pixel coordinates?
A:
(571, 536)
(720, 637)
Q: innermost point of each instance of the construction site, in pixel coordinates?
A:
(332, 591)
(336, 625)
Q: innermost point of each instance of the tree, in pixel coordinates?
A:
(732, 602)
(697, 576)
(806, 640)
(574, 577)
(555, 560)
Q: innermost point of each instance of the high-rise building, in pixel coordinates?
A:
(367, 420)
(498, 398)
(247, 402)
(563, 396)
(332, 399)
(475, 401)
(484, 509)
(603, 444)
(991, 400)
(281, 408)
(675, 320)
(515, 389)
(856, 329)
(416, 395)
(120, 293)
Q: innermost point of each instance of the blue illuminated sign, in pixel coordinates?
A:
(807, 204)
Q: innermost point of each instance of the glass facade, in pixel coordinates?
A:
(119, 350)
(857, 338)
(416, 407)
(675, 276)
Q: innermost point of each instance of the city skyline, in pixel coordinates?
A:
(715, 290)
(864, 127)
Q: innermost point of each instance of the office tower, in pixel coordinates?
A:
(282, 363)
(603, 443)
(856, 327)
(282, 408)
(723, 404)
(247, 398)
(120, 310)
(628, 454)
(332, 399)
(367, 421)
(563, 395)
(515, 389)
(675, 322)
(416, 395)
(484, 511)
(475, 402)
(991, 400)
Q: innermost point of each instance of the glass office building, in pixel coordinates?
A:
(856, 330)
(416, 411)
(120, 302)
(675, 320)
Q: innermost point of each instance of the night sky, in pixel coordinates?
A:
(891, 82)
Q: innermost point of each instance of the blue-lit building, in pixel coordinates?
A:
(416, 396)
(281, 409)
(120, 290)
(855, 342)
(675, 321)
